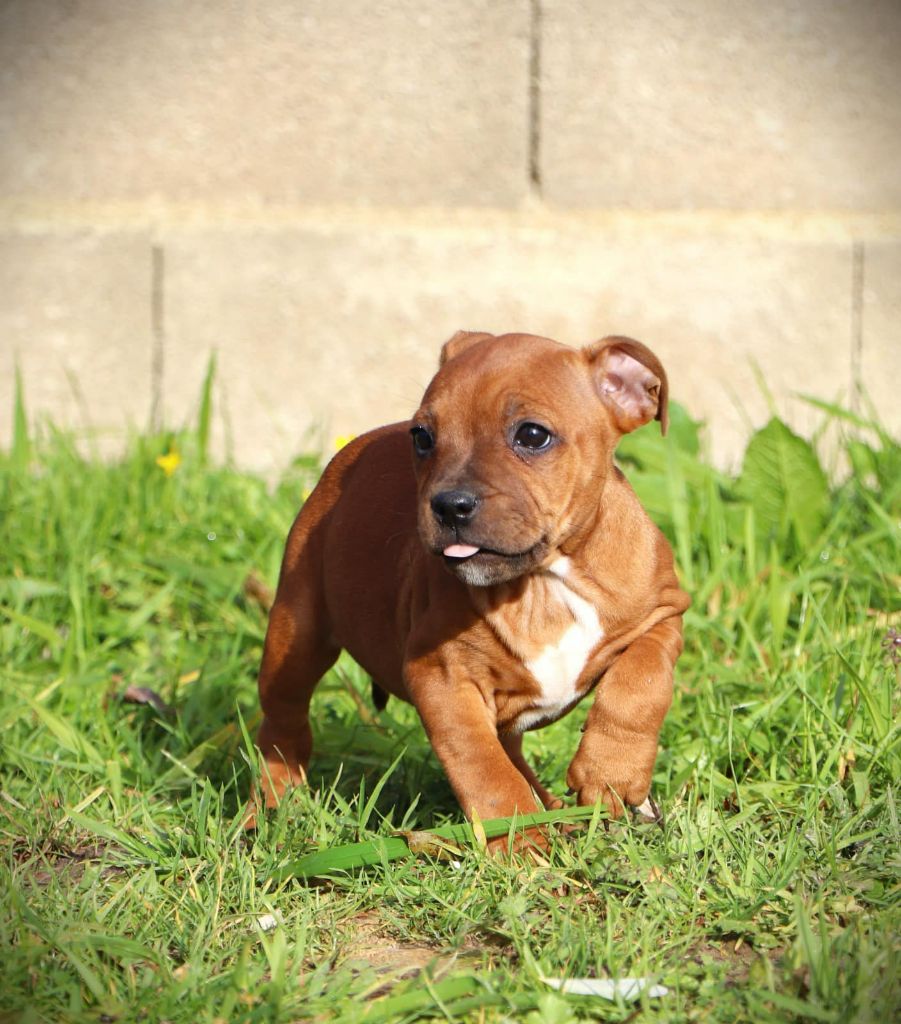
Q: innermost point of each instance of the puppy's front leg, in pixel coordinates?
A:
(616, 757)
(464, 737)
(512, 744)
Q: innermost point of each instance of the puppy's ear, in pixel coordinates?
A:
(631, 382)
(461, 341)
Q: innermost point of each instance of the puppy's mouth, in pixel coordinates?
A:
(457, 551)
(482, 567)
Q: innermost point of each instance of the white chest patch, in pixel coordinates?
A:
(559, 665)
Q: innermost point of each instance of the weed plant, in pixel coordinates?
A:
(132, 614)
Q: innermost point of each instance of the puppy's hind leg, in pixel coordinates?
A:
(297, 653)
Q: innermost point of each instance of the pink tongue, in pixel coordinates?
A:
(460, 551)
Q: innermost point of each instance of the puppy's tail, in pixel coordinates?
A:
(379, 696)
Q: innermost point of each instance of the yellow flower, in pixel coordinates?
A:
(341, 440)
(169, 462)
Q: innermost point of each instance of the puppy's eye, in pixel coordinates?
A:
(532, 436)
(423, 442)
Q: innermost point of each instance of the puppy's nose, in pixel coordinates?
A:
(453, 508)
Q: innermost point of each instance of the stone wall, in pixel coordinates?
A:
(323, 191)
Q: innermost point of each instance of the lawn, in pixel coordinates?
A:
(133, 600)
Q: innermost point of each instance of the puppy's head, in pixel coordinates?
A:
(514, 441)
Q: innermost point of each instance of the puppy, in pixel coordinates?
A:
(489, 563)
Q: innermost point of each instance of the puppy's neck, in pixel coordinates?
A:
(529, 613)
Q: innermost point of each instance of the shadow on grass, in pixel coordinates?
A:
(201, 738)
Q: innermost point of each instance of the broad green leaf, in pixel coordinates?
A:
(648, 445)
(684, 433)
(783, 480)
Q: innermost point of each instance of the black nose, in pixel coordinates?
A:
(453, 508)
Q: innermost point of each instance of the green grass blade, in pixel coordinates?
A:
(205, 415)
(155, 603)
(44, 630)
(137, 847)
(222, 741)
(21, 443)
(368, 808)
(67, 735)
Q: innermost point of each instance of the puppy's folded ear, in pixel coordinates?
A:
(461, 341)
(631, 382)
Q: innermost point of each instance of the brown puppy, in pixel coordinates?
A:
(492, 570)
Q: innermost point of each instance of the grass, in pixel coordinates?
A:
(130, 892)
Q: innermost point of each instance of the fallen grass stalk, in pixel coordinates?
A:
(434, 842)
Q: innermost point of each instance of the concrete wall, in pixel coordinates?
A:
(322, 192)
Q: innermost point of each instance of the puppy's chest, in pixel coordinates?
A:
(552, 631)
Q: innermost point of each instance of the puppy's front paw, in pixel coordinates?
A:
(612, 772)
(533, 842)
(649, 811)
